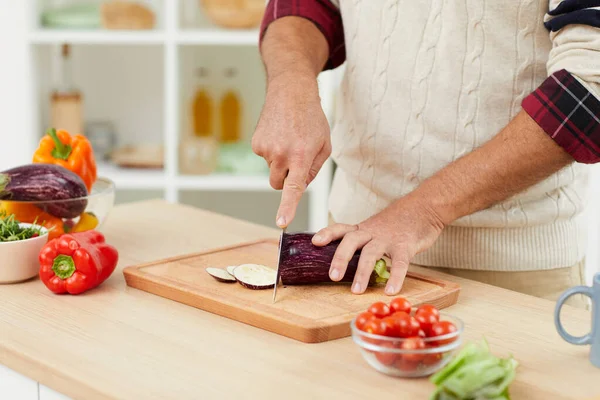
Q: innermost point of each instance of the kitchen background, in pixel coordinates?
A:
(141, 79)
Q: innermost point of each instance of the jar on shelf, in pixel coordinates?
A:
(235, 14)
(198, 155)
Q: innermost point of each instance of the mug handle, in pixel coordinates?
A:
(577, 340)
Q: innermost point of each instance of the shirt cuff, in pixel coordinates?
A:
(569, 114)
(326, 17)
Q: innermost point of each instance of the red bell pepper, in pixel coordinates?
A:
(76, 262)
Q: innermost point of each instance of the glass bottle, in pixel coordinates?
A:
(199, 152)
(202, 108)
(230, 111)
(66, 106)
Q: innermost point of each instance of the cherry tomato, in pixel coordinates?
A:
(374, 327)
(405, 365)
(432, 359)
(414, 327)
(400, 314)
(443, 328)
(413, 343)
(400, 304)
(421, 333)
(408, 326)
(426, 320)
(379, 309)
(363, 318)
(429, 309)
(392, 326)
(384, 357)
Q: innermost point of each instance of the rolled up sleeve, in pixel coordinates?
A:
(326, 16)
(567, 103)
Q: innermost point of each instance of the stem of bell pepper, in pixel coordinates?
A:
(63, 266)
(61, 150)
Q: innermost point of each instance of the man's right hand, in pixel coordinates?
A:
(293, 137)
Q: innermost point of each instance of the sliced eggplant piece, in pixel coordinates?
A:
(220, 274)
(230, 269)
(255, 276)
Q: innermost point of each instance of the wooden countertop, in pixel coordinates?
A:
(121, 343)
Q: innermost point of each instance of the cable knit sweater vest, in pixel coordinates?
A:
(426, 82)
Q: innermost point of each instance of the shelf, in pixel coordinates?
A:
(190, 37)
(219, 37)
(224, 182)
(56, 36)
(140, 179)
(133, 178)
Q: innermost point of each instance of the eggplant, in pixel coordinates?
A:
(304, 263)
(45, 183)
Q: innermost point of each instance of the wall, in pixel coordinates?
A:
(16, 86)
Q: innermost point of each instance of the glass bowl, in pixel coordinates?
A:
(70, 215)
(387, 356)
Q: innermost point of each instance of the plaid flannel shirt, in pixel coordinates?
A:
(567, 111)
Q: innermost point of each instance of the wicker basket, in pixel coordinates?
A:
(237, 14)
(120, 14)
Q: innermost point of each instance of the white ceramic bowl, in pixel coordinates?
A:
(19, 259)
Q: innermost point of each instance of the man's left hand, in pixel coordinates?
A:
(400, 231)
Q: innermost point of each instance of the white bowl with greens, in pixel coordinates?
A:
(20, 245)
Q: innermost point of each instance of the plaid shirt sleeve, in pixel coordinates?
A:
(563, 107)
(323, 13)
(569, 114)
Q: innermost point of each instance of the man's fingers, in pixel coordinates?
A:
(293, 189)
(345, 251)
(331, 233)
(318, 163)
(398, 270)
(370, 253)
(278, 172)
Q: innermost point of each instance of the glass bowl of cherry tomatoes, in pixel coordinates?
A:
(400, 340)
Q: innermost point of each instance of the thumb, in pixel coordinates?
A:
(293, 189)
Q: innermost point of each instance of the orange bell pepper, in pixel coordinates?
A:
(29, 213)
(74, 153)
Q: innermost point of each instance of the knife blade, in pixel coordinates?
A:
(278, 263)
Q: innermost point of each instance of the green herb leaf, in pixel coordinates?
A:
(11, 231)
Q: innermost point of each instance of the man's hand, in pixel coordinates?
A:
(292, 134)
(518, 157)
(400, 231)
(293, 137)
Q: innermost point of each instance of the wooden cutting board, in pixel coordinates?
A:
(308, 313)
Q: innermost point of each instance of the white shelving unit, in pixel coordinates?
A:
(172, 35)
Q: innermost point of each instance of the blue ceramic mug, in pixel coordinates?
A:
(592, 338)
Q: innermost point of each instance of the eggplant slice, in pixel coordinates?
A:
(221, 275)
(255, 276)
(230, 270)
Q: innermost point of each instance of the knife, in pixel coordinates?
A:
(278, 263)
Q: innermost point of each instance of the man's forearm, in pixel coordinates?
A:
(520, 156)
(293, 45)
